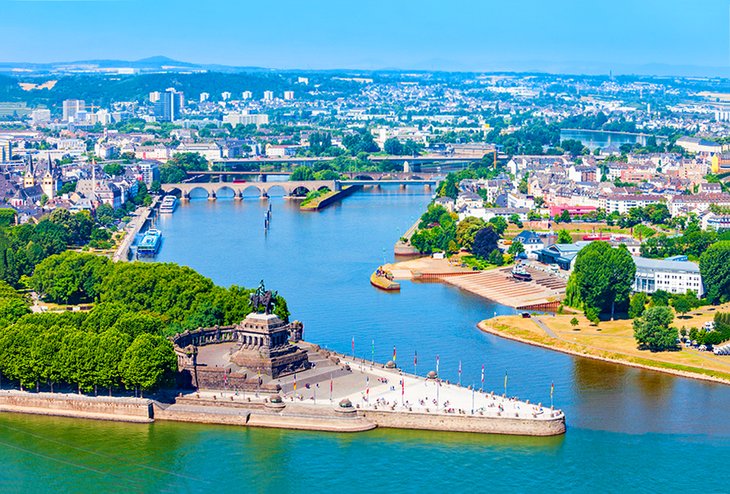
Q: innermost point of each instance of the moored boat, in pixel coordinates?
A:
(168, 205)
(150, 243)
(519, 273)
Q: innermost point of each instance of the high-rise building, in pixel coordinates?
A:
(155, 96)
(40, 116)
(71, 107)
(288, 95)
(303, 80)
(204, 97)
(225, 95)
(246, 95)
(170, 105)
(268, 95)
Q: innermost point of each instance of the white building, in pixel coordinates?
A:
(155, 96)
(71, 107)
(244, 118)
(622, 203)
(40, 116)
(204, 97)
(246, 95)
(268, 95)
(673, 275)
(288, 95)
(225, 95)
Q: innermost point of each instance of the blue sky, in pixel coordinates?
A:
(320, 34)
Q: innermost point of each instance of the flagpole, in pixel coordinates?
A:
(372, 353)
(472, 398)
(331, 385)
(415, 363)
(505, 383)
(459, 373)
(552, 390)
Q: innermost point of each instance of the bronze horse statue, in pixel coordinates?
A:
(263, 299)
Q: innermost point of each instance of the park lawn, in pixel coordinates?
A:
(614, 340)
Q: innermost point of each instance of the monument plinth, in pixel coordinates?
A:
(265, 347)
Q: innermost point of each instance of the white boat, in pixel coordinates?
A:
(168, 205)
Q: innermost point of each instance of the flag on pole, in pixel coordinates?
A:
(394, 354)
(353, 347)
(505, 382)
(459, 372)
(402, 386)
(295, 382)
(415, 358)
(367, 387)
(437, 365)
(372, 351)
(331, 386)
(482, 377)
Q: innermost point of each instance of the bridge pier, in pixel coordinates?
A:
(238, 195)
(211, 196)
(402, 186)
(264, 196)
(185, 196)
(427, 187)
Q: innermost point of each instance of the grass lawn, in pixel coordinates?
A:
(615, 340)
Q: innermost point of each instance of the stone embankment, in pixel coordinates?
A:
(329, 198)
(77, 406)
(403, 247)
(135, 225)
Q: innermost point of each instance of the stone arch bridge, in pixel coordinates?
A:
(261, 189)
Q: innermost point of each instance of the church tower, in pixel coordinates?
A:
(49, 183)
(29, 176)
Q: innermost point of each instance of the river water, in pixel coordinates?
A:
(629, 430)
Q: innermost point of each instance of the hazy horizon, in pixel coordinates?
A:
(564, 36)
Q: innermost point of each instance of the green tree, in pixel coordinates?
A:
(485, 242)
(467, 229)
(112, 345)
(393, 146)
(564, 237)
(715, 270)
(563, 217)
(653, 330)
(70, 277)
(114, 169)
(637, 305)
(499, 223)
(516, 248)
(148, 363)
(660, 298)
(603, 277)
(302, 173)
(496, 258)
(685, 302)
(574, 322)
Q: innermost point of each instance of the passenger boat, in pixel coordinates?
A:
(520, 273)
(168, 205)
(150, 243)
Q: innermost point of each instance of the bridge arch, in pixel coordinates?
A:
(300, 191)
(225, 192)
(276, 191)
(250, 191)
(199, 192)
(363, 177)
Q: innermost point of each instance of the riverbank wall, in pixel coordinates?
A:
(87, 407)
(135, 225)
(331, 198)
(462, 423)
(403, 247)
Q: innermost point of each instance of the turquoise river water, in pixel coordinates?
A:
(628, 430)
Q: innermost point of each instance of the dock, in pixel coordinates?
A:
(141, 216)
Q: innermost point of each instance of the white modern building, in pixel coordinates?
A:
(245, 118)
(673, 275)
(288, 95)
(268, 95)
